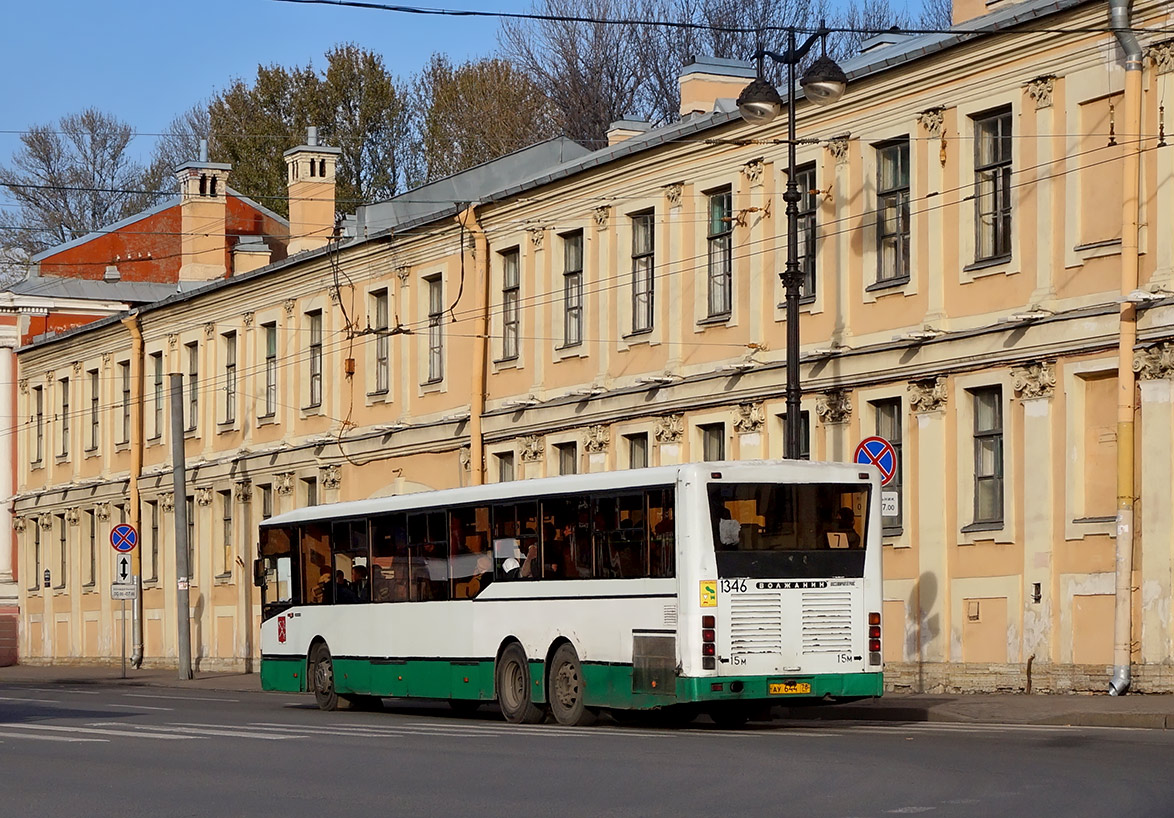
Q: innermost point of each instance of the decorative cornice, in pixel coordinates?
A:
(749, 417)
(23, 386)
(1161, 55)
(107, 357)
(288, 305)
(283, 482)
(18, 524)
(172, 344)
(1030, 381)
(204, 495)
(928, 394)
(1155, 362)
(600, 216)
(242, 491)
(330, 476)
(45, 521)
(753, 171)
(532, 448)
(404, 274)
(673, 193)
(1040, 89)
(834, 406)
(669, 428)
(77, 367)
(933, 120)
(837, 146)
(597, 439)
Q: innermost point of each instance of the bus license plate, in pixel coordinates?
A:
(784, 688)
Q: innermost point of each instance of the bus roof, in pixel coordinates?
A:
(798, 470)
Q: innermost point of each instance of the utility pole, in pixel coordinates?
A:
(179, 486)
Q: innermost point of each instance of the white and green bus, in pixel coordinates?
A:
(716, 587)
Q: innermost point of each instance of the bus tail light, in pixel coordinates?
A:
(874, 638)
(708, 642)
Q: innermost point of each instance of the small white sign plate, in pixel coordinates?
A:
(123, 592)
(889, 504)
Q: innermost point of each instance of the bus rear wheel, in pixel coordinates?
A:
(322, 677)
(567, 688)
(513, 687)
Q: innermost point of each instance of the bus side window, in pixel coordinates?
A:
(316, 561)
(472, 562)
(662, 528)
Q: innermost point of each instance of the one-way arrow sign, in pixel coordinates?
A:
(122, 573)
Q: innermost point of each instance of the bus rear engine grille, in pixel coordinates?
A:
(827, 622)
(756, 623)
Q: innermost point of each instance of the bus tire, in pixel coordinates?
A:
(566, 688)
(513, 687)
(322, 677)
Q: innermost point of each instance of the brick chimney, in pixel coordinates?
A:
(203, 187)
(705, 80)
(310, 177)
(624, 129)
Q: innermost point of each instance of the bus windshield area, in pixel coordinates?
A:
(798, 530)
(454, 553)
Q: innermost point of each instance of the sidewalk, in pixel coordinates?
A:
(1152, 710)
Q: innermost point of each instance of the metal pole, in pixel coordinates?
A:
(179, 486)
(792, 275)
(122, 604)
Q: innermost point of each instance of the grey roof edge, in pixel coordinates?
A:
(170, 201)
(327, 149)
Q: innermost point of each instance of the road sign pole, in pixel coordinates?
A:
(123, 605)
(179, 484)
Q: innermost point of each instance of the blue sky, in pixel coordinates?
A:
(146, 61)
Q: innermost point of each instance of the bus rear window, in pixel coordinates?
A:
(805, 530)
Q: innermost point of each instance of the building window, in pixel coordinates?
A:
(193, 386)
(124, 383)
(992, 185)
(91, 549)
(805, 179)
(64, 385)
(225, 533)
(190, 505)
(379, 306)
(643, 271)
(314, 319)
(713, 441)
(62, 551)
(510, 291)
(435, 329)
(310, 485)
(892, 211)
(95, 410)
(36, 523)
(888, 426)
(719, 235)
(637, 450)
(988, 454)
(270, 331)
(157, 370)
(505, 467)
(568, 458)
(266, 501)
(573, 289)
(804, 433)
(151, 572)
(38, 424)
(229, 339)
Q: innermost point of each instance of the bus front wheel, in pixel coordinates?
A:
(322, 676)
(513, 687)
(566, 688)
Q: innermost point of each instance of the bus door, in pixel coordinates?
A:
(277, 570)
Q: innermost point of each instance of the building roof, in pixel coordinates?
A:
(131, 292)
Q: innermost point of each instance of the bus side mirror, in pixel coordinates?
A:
(259, 572)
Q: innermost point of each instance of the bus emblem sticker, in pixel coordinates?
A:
(281, 629)
(708, 593)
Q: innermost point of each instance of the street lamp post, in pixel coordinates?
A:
(823, 83)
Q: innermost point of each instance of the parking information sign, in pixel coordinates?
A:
(876, 451)
(124, 538)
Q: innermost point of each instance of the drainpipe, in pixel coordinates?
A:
(1120, 24)
(468, 220)
(131, 322)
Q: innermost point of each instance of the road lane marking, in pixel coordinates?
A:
(35, 737)
(137, 707)
(89, 731)
(176, 698)
(22, 699)
(182, 731)
(64, 690)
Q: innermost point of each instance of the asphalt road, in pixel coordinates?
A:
(118, 751)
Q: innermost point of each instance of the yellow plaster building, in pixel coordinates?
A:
(969, 251)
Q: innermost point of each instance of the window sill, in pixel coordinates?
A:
(36, 465)
(223, 579)
(712, 320)
(267, 420)
(986, 263)
(432, 382)
(122, 446)
(61, 458)
(227, 426)
(378, 394)
(577, 345)
(895, 531)
(89, 454)
(887, 284)
(639, 336)
(507, 363)
(190, 434)
(1094, 520)
(994, 525)
(312, 409)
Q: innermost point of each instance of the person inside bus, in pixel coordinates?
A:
(342, 591)
(729, 530)
(846, 525)
(360, 583)
(531, 567)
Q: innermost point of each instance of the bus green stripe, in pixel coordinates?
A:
(607, 685)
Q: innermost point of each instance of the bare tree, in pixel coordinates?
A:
(67, 180)
(180, 143)
(936, 15)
